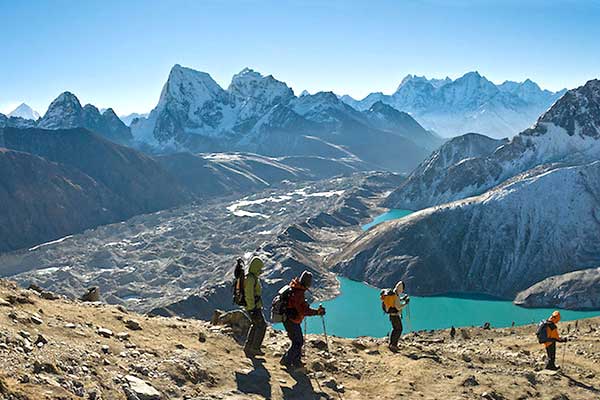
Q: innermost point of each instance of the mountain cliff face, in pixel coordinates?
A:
(567, 132)
(261, 114)
(65, 112)
(544, 222)
(43, 200)
(70, 180)
(433, 182)
(470, 103)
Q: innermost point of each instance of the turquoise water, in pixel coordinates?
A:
(392, 214)
(357, 312)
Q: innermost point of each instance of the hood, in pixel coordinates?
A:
(256, 266)
(399, 289)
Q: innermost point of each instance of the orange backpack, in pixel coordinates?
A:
(388, 301)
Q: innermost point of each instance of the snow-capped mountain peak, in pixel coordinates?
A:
(64, 112)
(186, 84)
(25, 112)
(577, 112)
(266, 90)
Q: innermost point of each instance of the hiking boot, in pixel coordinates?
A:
(552, 367)
(299, 368)
(393, 349)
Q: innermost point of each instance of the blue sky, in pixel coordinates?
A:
(118, 53)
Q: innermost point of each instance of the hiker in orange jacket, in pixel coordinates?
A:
(552, 338)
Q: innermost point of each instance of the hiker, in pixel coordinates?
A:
(548, 335)
(254, 305)
(392, 302)
(297, 309)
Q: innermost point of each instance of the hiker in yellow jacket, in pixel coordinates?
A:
(552, 337)
(393, 301)
(254, 307)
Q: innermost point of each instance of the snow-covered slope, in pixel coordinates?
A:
(470, 103)
(569, 133)
(25, 112)
(65, 112)
(544, 222)
(261, 114)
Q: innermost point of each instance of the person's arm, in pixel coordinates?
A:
(249, 292)
(399, 304)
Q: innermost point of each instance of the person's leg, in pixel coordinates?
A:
(396, 330)
(259, 333)
(295, 351)
(551, 353)
(289, 328)
(254, 331)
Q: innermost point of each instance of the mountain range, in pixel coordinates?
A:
(497, 216)
(470, 103)
(260, 114)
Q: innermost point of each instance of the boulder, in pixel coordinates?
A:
(237, 320)
(133, 325)
(91, 295)
(140, 389)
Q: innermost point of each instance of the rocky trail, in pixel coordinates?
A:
(55, 348)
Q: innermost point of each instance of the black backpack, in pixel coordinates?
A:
(239, 295)
(541, 332)
(279, 306)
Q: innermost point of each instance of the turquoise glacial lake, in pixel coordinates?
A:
(357, 310)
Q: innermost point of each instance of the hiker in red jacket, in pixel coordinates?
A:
(297, 309)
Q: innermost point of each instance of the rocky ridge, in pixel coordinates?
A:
(65, 349)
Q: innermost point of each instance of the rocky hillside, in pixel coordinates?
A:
(423, 187)
(89, 181)
(568, 132)
(544, 222)
(574, 290)
(72, 201)
(56, 348)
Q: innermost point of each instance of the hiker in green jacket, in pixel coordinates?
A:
(254, 305)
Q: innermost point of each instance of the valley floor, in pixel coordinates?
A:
(62, 349)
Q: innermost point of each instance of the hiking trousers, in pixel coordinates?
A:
(396, 329)
(551, 352)
(257, 331)
(293, 356)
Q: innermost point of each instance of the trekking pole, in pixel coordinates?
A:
(324, 330)
(304, 340)
(562, 364)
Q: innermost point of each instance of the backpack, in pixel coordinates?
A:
(239, 295)
(388, 301)
(279, 306)
(541, 332)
